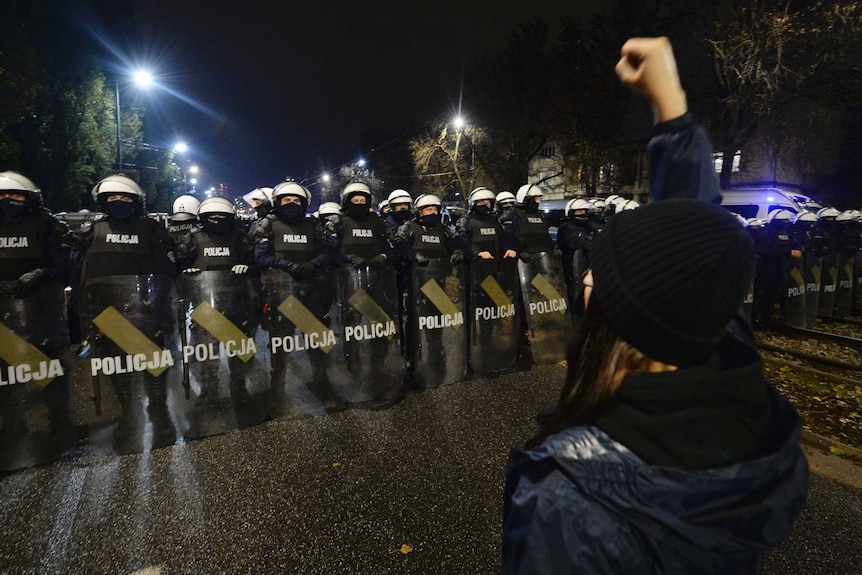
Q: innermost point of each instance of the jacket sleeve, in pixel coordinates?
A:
(553, 524)
(162, 251)
(680, 162)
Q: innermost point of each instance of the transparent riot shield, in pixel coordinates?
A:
(748, 302)
(135, 362)
(492, 314)
(857, 283)
(794, 293)
(811, 271)
(304, 344)
(844, 286)
(223, 354)
(437, 321)
(828, 285)
(370, 369)
(36, 423)
(543, 291)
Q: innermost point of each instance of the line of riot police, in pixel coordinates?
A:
(199, 328)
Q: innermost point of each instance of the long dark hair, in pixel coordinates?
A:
(598, 360)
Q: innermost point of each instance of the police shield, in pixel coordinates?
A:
(547, 313)
(304, 344)
(223, 353)
(844, 286)
(493, 322)
(857, 283)
(437, 323)
(35, 416)
(794, 293)
(370, 369)
(811, 272)
(135, 361)
(828, 284)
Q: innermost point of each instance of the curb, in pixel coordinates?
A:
(846, 469)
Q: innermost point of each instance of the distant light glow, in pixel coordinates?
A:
(193, 181)
(181, 147)
(361, 162)
(325, 177)
(459, 122)
(193, 169)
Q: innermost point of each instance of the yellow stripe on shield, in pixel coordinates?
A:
(127, 336)
(441, 301)
(15, 350)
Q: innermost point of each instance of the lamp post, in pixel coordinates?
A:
(459, 125)
(141, 78)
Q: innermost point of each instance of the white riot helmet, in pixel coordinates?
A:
(629, 205)
(577, 204)
(426, 200)
(290, 189)
(399, 197)
(610, 199)
(185, 208)
(828, 213)
(755, 223)
(15, 182)
(846, 216)
(329, 209)
(481, 193)
(597, 204)
(618, 202)
(806, 218)
(118, 184)
(263, 195)
(351, 190)
(528, 190)
(779, 216)
(383, 206)
(217, 215)
(504, 200)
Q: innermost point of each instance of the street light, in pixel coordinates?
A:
(143, 79)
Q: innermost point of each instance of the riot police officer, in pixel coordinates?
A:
(773, 244)
(184, 219)
(479, 235)
(422, 242)
(400, 211)
(357, 235)
(260, 199)
(503, 202)
(125, 260)
(33, 274)
(524, 228)
(287, 240)
(575, 239)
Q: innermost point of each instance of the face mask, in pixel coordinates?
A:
(482, 210)
(13, 209)
(530, 204)
(262, 210)
(357, 211)
(218, 226)
(120, 210)
(430, 220)
(402, 216)
(291, 213)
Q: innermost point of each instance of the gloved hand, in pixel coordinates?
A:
(301, 271)
(420, 260)
(192, 271)
(356, 261)
(28, 282)
(525, 256)
(239, 269)
(378, 261)
(457, 258)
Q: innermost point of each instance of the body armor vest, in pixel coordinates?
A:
(532, 235)
(218, 252)
(120, 249)
(430, 243)
(362, 238)
(296, 243)
(483, 234)
(22, 248)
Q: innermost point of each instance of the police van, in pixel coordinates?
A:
(759, 202)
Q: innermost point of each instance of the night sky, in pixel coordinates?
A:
(287, 89)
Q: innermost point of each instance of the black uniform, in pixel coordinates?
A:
(773, 244)
(32, 254)
(575, 234)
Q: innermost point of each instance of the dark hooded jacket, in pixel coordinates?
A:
(690, 471)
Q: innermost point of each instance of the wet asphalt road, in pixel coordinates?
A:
(416, 488)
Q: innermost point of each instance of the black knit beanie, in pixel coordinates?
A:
(670, 276)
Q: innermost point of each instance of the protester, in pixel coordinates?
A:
(668, 450)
